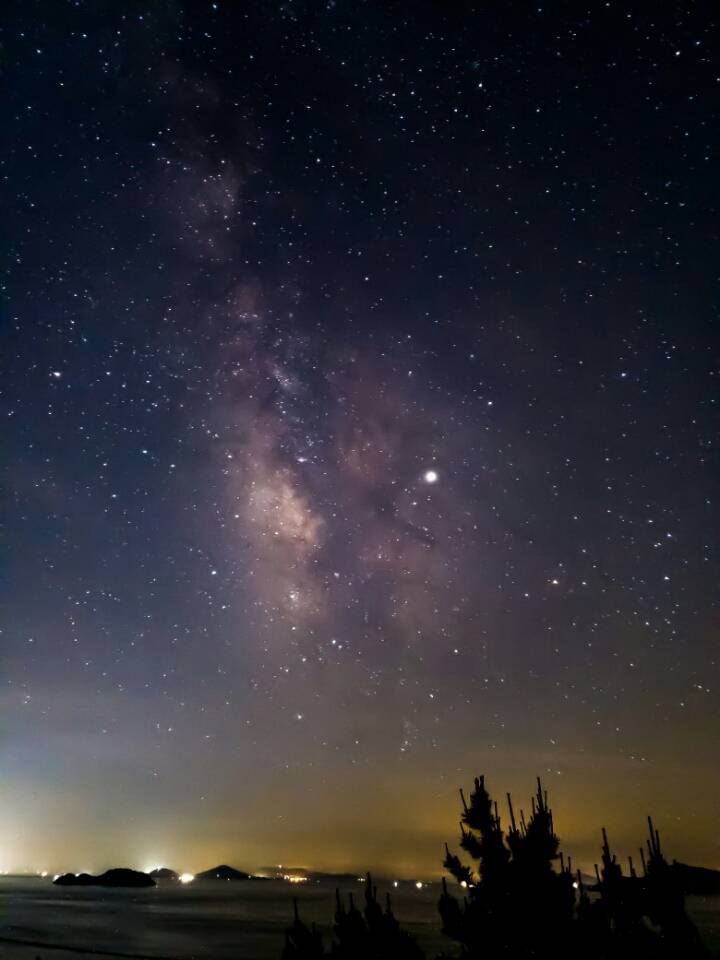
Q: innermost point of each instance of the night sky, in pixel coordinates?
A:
(360, 382)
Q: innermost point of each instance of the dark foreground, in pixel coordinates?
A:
(206, 919)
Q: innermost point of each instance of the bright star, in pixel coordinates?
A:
(430, 476)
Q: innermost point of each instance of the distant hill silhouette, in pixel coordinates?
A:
(278, 873)
(119, 877)
(164, 873)
(222, 872)
(698, 881)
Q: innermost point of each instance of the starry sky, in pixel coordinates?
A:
(360, 380)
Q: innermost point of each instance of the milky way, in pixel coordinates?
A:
(359, 390)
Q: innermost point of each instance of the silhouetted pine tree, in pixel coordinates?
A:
(514, 878)
(373, 934)
(520, 901)
(664, 900)
(302, 942)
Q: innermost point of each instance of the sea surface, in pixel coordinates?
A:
(243, 920)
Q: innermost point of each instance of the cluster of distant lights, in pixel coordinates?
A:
(289, 877)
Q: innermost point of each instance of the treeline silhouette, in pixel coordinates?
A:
(374, 932)
(519, 899)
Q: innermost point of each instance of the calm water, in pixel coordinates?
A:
(203, 919)
(207, 920)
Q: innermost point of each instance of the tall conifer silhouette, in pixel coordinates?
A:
(520, 900)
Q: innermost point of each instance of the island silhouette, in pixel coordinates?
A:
(164, 873)
(222, 872)
(117, 877)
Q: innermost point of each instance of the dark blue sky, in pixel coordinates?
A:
(360, 397)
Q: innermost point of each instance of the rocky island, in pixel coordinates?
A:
(164, 873)
(119, 877)
(223, 872)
